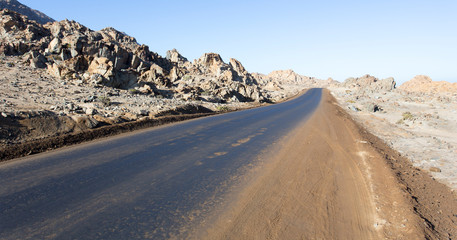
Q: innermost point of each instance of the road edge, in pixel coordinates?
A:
(45, 144)
(434, 202)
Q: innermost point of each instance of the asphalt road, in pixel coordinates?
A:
(148, 184)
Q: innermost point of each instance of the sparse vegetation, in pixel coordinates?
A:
(134, 91)
(106, 101)
(186, 77)
(406, 116)
(205, 93)
(223, 109)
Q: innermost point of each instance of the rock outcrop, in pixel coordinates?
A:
(424, 84)
(72, 52)
(370, 84)
(217, 81)
(19, 35)
(289, 77)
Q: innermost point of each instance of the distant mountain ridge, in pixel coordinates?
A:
(32, 14)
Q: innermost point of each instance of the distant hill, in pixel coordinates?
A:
(32, 14)
(424, 84)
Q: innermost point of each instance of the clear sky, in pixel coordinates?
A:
(337, 39)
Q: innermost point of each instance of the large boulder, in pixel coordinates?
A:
(67, 28)
(157, 75)
(36, 60)
(211, 63)
(102, 66)
(175, 57)
(370, 83)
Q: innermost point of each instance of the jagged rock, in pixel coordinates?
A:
(288, 77)
(66, 28)
(123, 80)
(55, 46)
(74, 44)
(102, 66)
(370, 83)
(19, 34)
(114, 59)
(175, 57)
(136, 61)
(212, 63)
(156, 75)
(237, 67)
(36, 59)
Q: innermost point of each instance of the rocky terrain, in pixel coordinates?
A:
(61, 77)
(32, 14)
(416, 119)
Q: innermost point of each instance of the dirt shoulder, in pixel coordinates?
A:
(333, 179)
(49, 143)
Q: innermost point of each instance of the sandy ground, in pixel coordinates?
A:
(427, 135)
(330, 181)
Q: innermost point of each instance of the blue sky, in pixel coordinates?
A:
(337, 39)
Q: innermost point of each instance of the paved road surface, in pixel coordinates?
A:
(148, 184)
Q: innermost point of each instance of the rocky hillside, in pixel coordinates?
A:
(32, 14)
(424, 84)
(71, 51)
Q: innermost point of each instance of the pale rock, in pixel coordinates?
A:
(55, 46)
(370, 83)
(237, 67)
(91, 111)
(175, 57)
(85, 121)
(102, 66)
(130, 116)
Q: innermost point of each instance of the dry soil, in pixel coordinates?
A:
(331, 179)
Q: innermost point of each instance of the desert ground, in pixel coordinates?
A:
(376, 160)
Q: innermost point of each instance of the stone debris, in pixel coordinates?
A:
(418, 119)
